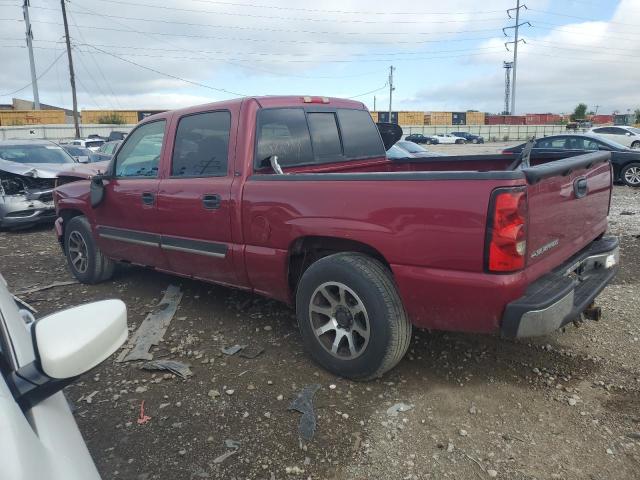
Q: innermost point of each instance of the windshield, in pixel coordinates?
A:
(35, 154)
(396, 152)
(78, 151)
(634, 130)
(411, 147)
(612, 144)
(93, 143)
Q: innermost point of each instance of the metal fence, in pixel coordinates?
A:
(491, 133)
(58, 132)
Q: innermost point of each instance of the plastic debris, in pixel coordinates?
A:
(251, 352)
(231, 443)
(29, 291)
(397, 408)
(224, 456)
(143, 418)
(232, 350)
(151, 330)
(178, 368)
(303, 403)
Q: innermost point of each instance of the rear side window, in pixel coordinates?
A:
(283, 132)
(360, 136)
(324, 136)
(202, 145)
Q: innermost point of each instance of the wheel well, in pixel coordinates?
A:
(306, 250)
(67, 215)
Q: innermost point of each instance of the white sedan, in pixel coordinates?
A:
(448, 138)
(38, 434)
(627, 136)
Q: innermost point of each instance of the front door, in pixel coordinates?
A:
(127, 218)
(194, 204)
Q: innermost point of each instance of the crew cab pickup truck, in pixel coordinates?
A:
(294, 198)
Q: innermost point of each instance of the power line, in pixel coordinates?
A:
(370, 92)
(547, 12)
(42, 74)
(559, 28)
(175, 77)
(297, 19)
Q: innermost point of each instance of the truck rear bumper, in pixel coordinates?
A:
(562, 295)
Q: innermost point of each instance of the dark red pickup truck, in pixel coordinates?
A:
(294, 198)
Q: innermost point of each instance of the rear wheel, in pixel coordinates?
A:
(85, 260)
(351, 316)
(630, 175)
(475, 140)
(635, 144)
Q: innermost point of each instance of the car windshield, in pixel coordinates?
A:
(93, 143)
(78, 151)
(612, 144)
(634, 130)
(411, 147)
(396, 152)
(35, 154)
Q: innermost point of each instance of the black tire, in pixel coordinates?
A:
(389, 330)
(635, 144)
(630, 174)
(475, 140)
(97, 267)
(459, 142)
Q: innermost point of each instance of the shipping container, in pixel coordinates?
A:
(475, 118)
(109, 116)
(427, 119)
(383, 117)
(494, 119)
(411, 118)
(374, 115)
(625, 119)
(515, 119)
(459, 118)
(441, 118)
(31, 117)
(600, 119)
(542, 118)
(534, 118)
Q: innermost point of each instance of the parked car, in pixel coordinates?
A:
(106, 150)
(294, 198)
(80, 154)
(625, 161)
(627, 136)
(469, 137)
(420, 138)
(28, 169)
(39, 436)
(448, 138)
(417, 150)
(115, 135)
(92, 144)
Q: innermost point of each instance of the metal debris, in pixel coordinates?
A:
(29, 291)
(152, 329)
(251, 352)
(178, 368)
(232, 350)
(398, 407)
(303, 403)
(231, 443)
(224, 456)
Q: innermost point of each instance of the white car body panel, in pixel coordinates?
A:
(619, 137)
(448, 138)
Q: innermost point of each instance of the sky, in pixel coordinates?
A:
(150, 54)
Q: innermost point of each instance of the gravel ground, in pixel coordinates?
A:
(564, 406)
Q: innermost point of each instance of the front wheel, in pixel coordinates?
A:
(635, 144)
(630, 175)
(475, 140)
(85, 260)
(351, 317)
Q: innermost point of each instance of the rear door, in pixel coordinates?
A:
(194, 197)
(127, 219)
(568, 210)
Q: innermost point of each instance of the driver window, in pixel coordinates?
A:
(140, 154)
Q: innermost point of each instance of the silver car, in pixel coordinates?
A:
(28, 170)
(38, 434)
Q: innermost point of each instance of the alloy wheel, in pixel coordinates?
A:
(78, 252)
(632, 176)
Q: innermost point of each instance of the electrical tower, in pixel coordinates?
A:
(507, 86)
(515, 43)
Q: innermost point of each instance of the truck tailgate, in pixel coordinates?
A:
(568, 207)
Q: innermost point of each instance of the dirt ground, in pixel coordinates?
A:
(565, 406)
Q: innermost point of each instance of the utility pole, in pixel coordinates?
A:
(71, 74)
(32, 63)
(597, 107)
(515, 42)
(507, 86)
(374, 103)
(391, 89)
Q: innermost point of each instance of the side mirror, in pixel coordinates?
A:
(73, 341)
(628, 134)
(96, 190)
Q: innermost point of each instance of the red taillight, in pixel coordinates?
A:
(506, 247)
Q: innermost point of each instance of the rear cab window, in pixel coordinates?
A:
(299, 136)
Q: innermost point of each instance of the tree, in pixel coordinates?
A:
(580, 112)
